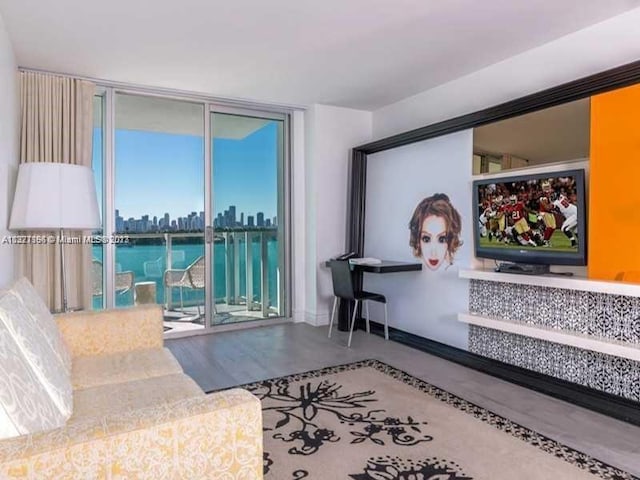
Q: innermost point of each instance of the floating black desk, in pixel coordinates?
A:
(388, 266)
(385, 266)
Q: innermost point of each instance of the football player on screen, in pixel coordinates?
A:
(546, 212)
(517, 214)
(570, 213)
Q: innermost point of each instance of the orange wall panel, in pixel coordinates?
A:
(614, 186)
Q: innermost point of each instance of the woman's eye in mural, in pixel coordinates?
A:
(425, 239)
(442, 239)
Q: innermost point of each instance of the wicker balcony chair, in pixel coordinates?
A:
(124, 280)
(192, 277)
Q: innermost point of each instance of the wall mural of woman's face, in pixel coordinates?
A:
(433, 241)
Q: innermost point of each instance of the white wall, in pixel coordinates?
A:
(9, 98)
(608, 44)
(425, 303)
(298, 215)
(330, 133)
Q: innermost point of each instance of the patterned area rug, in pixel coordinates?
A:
(370, 421)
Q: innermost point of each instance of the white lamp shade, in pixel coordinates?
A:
(50, 196)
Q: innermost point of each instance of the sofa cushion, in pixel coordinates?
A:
(25, 405)
(37, 351)
(102, 332)
(44, 320)
(96, 370)
(121, 397)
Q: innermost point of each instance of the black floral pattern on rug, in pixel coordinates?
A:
(300, 406)
(395, 468)
(266, 462)
(596, 467)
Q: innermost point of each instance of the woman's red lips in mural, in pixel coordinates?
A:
(433, 262)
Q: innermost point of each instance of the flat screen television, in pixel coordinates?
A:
(532, 219)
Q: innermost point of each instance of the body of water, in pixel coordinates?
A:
(148, 263)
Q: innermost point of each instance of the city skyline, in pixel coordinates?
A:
(161, 172)
(193, 221)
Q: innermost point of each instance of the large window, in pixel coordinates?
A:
(205, 227)
(247, 153)
(159, 206)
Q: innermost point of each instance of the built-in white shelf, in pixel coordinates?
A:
(585, 342)
(555, 281)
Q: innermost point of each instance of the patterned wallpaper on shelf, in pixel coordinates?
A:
(612, 317)
(619, 376)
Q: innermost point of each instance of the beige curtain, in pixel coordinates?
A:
(57, 123)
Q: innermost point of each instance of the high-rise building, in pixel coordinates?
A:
(119, 222)
(260, 219)
(250, 221)
(241, 219)
(232, 216)
(267, 222)
(274, 222)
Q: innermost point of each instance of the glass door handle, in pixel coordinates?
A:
(208, 234)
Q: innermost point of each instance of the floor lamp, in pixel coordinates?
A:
(54, 197)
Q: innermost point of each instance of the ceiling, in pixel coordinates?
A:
(553, 134)
(153, 114)
(354, 53)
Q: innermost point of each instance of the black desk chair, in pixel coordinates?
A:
(343, 289)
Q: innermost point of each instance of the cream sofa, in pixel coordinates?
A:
(135, 413)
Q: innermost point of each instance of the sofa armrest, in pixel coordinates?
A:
(111, 331)
(210, 436)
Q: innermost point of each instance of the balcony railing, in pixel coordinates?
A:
(245, 271)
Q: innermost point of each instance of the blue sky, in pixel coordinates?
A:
(160, 172)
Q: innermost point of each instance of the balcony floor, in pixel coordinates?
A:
(177, 320)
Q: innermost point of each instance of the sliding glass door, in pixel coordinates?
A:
(202, 230)
(159, 207)
(248, 203)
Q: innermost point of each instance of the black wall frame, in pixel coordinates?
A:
(608, 80)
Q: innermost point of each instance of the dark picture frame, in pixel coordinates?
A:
(612, 79)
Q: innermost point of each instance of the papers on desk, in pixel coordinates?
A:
(364, 261)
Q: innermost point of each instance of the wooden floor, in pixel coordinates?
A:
(232, 358)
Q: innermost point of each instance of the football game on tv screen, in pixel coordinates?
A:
(538, 214)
